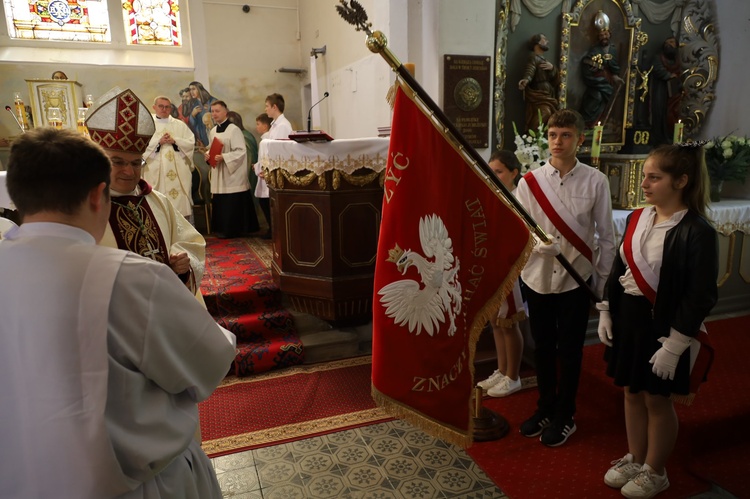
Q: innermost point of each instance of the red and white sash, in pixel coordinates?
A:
(557, 213)
(644, 275)
(701, 351)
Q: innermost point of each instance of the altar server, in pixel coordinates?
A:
(233, 213)
(662, 287)
(105, 354)
(142, 220)
(169, 158)
(571, 202)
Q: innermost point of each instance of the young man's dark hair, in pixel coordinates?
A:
(567, 118)
(54, 170)
(265, 119)
(219, 103)
(276, 100)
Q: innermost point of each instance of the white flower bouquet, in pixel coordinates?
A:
(532, 148)
(728, 158)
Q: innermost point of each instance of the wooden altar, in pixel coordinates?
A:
(326, 202)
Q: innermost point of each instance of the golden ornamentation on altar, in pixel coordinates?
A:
(64, 95)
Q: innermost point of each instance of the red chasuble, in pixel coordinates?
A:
(450, 249)
(135, 228)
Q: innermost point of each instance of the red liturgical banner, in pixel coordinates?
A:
(216, 147)
(450, 249)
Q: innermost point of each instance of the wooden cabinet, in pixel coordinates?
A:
(326, 204)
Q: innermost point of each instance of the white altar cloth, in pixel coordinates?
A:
(5, 201)
(346, 155)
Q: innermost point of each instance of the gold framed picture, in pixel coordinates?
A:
(65, 95)
(596, 69)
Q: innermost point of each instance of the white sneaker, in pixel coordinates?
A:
(645, 484)
(494, 379)
(622, 471)
(505, 387)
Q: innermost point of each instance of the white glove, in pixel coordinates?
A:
(548, 249)
(666, 358)
(605, 323)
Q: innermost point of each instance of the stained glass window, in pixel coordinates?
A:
(152, 22)
(68, 20)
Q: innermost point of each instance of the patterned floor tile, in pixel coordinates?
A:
(285, 491)
(326, 486)
(279, 472)
(238, 481)
(233, 461)
(256, 494)
(418, 488)
(391, 460)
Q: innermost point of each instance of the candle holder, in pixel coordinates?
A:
(81, 121)
(596, 144)
(678, 129)
(20, 113)
(54, 117)
(88, 101)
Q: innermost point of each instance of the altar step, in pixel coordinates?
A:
(322, 342)
(241, 296)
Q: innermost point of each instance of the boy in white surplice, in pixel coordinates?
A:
(105, 354)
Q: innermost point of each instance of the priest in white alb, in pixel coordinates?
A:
(169, 158)
(142, 220)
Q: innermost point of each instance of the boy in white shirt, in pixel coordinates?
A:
(263, 127)
(571, 201)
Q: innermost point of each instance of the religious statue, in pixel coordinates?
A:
(539, 83)
(666, 93)
(600, 72)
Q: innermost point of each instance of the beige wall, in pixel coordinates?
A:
(244, 52)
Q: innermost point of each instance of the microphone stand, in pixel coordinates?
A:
(309, 113)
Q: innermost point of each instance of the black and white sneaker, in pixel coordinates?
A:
(557, 433)
(535, 425)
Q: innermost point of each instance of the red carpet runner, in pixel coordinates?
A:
(242, 297)
(295, 403)
(713, 444)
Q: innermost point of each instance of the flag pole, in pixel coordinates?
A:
(353, 13)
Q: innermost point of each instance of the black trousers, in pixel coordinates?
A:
(233, 215)
(558, 325)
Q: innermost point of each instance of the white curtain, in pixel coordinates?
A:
(654, 11)
(314, 95)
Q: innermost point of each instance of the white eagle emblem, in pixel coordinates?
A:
(425, 304)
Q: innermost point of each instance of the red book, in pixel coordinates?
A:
(216, 147)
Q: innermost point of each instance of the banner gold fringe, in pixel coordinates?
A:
(398, 410)
(513, 319)
(682, 399)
